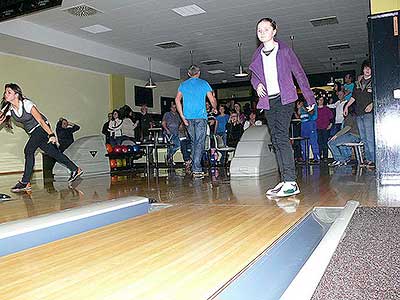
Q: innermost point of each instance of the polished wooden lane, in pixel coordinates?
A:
(216, 227)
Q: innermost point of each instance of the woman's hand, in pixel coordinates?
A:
(369, 107)
(53, 140)
(261, 91)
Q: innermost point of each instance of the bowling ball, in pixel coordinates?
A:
(113, 163)
(124, 162)
(109, 148)
(130, 149)
(124, 149)
(136, 148)
(117, 149)
(119, 163)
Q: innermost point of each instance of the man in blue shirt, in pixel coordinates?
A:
(193, 113)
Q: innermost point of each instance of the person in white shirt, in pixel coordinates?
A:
(339, 118)
(115, 128)
(251, 121)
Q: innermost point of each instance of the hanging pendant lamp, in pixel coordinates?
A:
(331, 81)
(150, 84)
(241, 72)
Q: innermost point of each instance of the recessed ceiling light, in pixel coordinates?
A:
(189, 10)
(96, 29)
(213, 72)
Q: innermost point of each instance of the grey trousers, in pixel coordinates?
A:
(278, 121)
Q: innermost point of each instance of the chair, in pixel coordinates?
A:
(221, 147)
(357, 147)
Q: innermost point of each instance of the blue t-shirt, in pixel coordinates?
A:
(222, 121)
(194, 91)
(305, 116)
(349, 87)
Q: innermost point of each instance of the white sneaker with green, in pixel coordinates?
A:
(289, 188)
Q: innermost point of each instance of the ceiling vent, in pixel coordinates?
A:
(82, 10)
(211, 62)
(214, 72)
(168, 45)
(338, 46)
(189, 10)
(324, 21)
(348, 62)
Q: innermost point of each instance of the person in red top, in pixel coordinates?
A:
(324, 124)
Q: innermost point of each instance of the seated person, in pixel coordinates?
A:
(128, 129)
(251, 121)
(170, 123)
(349, 134)
(114, 127)
(234, 130)
(65, 133)
(185, 144)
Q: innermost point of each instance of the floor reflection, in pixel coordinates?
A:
(320, 185)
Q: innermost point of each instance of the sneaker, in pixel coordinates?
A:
(75, 174)
(289, 188)
(21, 187)
(275, 190)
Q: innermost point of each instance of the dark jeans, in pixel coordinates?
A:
(323, 135)
(39, 139)
(278, 120)
(185, 149)
(335, 129)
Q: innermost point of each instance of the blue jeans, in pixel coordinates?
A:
(197, 130)
(365, 125)
(223, 153)
(185, 149)
(309, 129)
(176, 144)
(335, 129)
(342, 153)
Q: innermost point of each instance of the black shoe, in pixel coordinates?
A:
(75, 174)
(21, 187)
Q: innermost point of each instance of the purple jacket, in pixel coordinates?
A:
(286, 64)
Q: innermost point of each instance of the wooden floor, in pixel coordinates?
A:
(188, 251)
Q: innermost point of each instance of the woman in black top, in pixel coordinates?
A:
(23, 111)
(65, 133)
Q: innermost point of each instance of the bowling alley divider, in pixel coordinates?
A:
(27, 233)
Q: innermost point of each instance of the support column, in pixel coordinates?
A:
(117, 91)
(385, 58)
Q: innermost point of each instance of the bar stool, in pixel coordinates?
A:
(357, 147)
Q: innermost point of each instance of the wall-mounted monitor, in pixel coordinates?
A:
(143, 96)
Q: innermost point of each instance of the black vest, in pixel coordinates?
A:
(27, 120)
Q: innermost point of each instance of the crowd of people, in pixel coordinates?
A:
(228, 122)
(342, 116)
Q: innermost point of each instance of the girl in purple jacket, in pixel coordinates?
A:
(272, 66)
